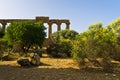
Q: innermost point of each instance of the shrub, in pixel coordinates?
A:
(64, 34)
(3, 45)
(53, 50)
(62, 43)
(65, 47)
(96, 42)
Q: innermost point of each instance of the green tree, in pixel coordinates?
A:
(26, 34)
(114, 27)
(64, 34)
(96, 42)
(65, 46)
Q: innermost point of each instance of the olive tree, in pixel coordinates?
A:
(26, 34)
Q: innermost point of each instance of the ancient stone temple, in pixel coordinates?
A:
(58, 22)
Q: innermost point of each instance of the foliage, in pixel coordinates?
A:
(63, 40)
(65, 46)
(96, 42)
(53, 50)
(114, 27)
(3, 45)
(25, 33)
(64, 34)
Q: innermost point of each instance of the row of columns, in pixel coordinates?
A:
(58, 28)
(49, 28)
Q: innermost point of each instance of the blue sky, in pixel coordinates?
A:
(81, 13)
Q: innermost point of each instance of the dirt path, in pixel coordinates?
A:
(52, 69)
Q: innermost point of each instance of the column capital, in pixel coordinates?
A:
(67, 25)
(50, 23)
(3, 25)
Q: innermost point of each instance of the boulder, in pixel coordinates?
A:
(63, 55)
(23, 62)
(6, 58)
(35, 59)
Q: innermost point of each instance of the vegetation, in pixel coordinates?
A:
(62, 45)
(98, 45)
(21, 37)
(65, 47)
(98, 42)
(25, 34)
(64, 34)
(2, 47)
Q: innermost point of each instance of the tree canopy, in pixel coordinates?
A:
(26, 33)
(64, 34)
(98, 41)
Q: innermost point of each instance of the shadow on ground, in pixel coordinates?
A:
(8, 72)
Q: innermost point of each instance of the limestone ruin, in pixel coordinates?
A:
(58, 22)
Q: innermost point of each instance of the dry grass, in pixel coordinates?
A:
(52, 69)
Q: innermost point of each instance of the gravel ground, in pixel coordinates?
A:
(52, 69)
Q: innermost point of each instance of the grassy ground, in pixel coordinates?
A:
(53, 69)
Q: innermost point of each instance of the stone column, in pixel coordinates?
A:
(67, 25)
(58, 26)
(3, 26)
(49, 29)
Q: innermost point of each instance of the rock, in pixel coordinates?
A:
(39, 53)
(114, 75)
(23, 62)
(6, 58)
(106, 74)
(35, 59)
(63, 55)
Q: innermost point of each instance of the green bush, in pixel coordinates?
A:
(64, 34)
(65, 46)
(78, 49)
(53, 50)
(62, 43)
(96, 42)
(3, 46)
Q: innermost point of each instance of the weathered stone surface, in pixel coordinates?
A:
(44, 19)
(23, 62)
(35, 59)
